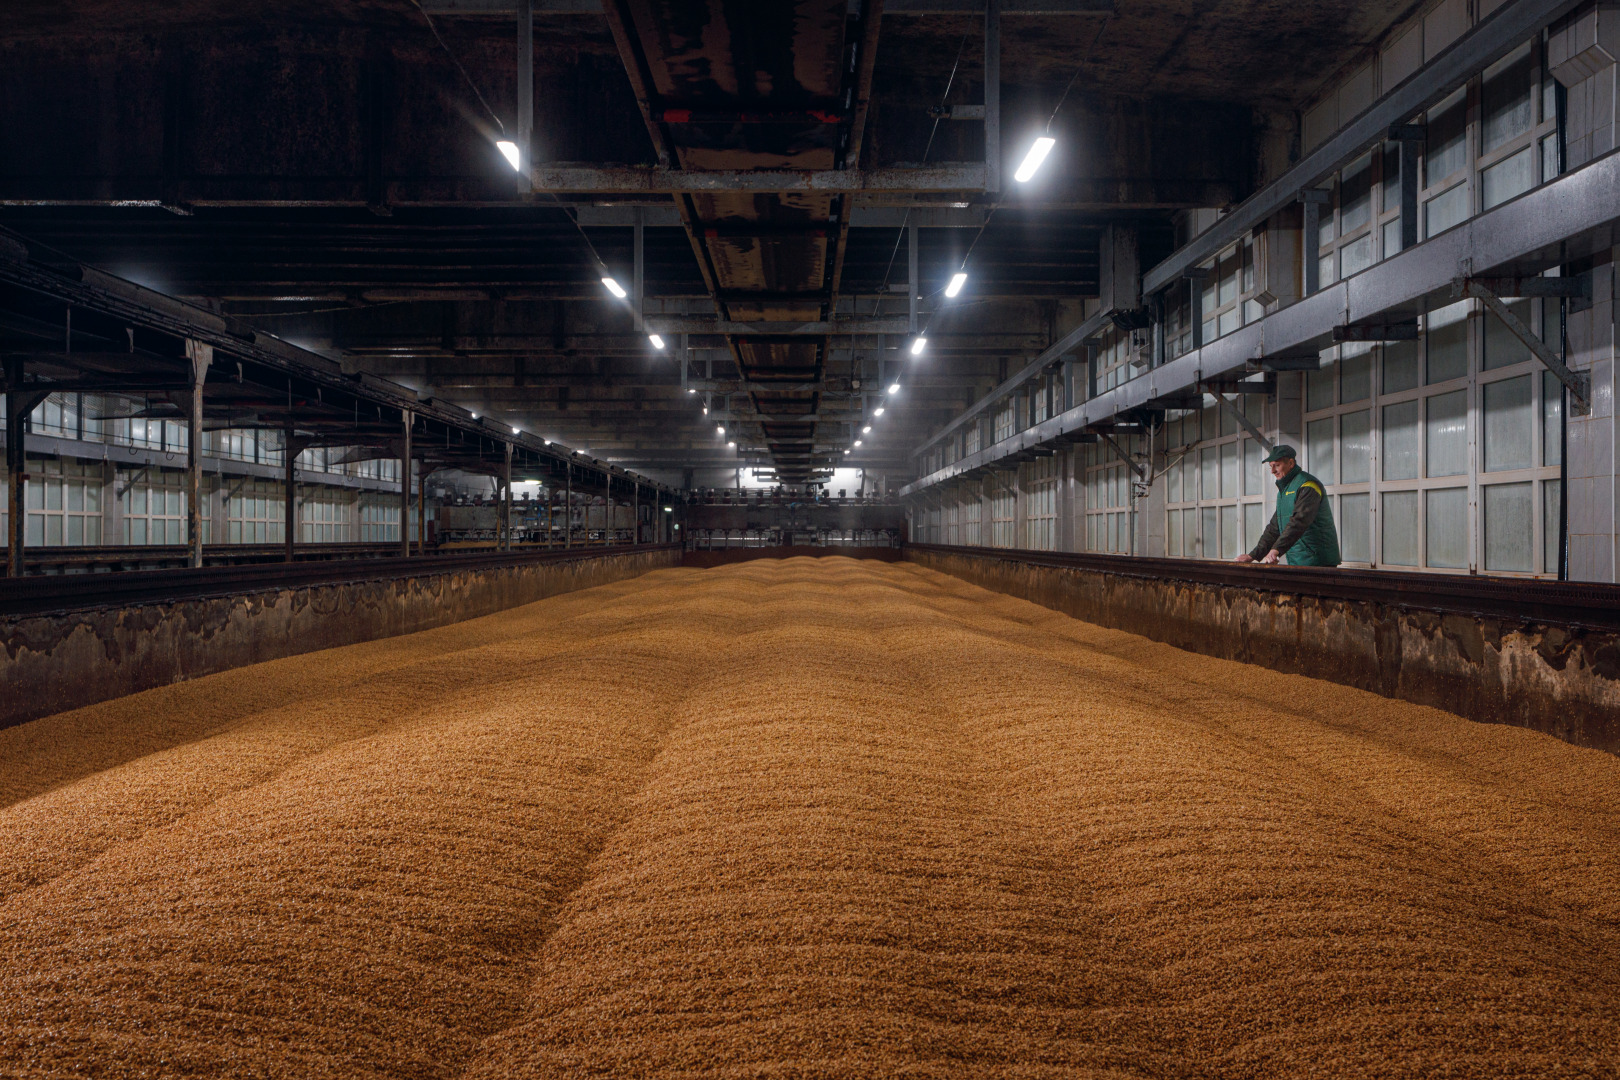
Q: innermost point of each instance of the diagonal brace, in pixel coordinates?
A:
(1243, 421)
(1136, 467)
(1579, 383)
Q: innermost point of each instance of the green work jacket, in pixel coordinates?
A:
(1307, 537)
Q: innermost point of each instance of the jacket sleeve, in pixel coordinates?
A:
(1268, 539)
(1307, 502)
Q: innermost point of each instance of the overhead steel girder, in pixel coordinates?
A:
(509, 8)
(1563, 220)
(860, 217)
(837, 328)
(1504, 29)
(627, 180)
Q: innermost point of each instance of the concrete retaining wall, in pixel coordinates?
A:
(1560, 679)
(64, 660)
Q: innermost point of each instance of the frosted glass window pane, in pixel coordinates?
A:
(1446, 521)
(1189, 533)
(1448, 434)
(1507, 102)
(1228, 423)
(1319, 387)
(1172, 490)
(1509, 527)
(1210, 467)
(1552, 410)
(1392, 237)
(1173, 533)
(1400, 366)
(1549, 158)
(1400, 528)
(1549, 525)
(1447, 148)
(1355, 523)
(1355, 448)
(1443, 211)
(75, 530)
(1319, 449)
(1254, 523)
(1210, 538)
(1355, 375)
(1229, 532)
(1229, 471)
(1508, 436)
(92, 531)
(1508, 178)
(1401, 452)
(53, 529)
(1356, 256)
(1253, 468)
(35, 530)
(1502, 346)
(1446, 336)
(1355, 195)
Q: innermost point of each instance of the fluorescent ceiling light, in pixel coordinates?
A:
(958, 280)
(1033, 159)
(721, 428)
(615, 288)
(658, 342)
(917, 346)
(509, 151)
(689, 390)
(548, 442)
(669, 509)
(857, 442)
(514, 431)
(894, 388)
(878, 411)
(867, 430)
(475, 416)
(732, 445)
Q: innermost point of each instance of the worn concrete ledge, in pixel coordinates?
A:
(64, 659)
(1551, 667)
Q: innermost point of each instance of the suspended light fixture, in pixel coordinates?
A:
(1032, 160)
(857, 442)
(958, 280)
(475, 416)
(514, 431)
(894, 388)
(509, 151)
(615, 288)
(657, 342)
(878, 411)
(917, 345)
(721, 428)
(867, 430)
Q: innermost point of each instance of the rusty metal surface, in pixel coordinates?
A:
(63, 659)
(1534, 654)
(727, 556)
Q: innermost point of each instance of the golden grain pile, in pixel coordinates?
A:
(798, 819)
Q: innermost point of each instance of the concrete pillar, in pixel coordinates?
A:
(200, 356)
(568, 509)
(504, 527)
(289, 491)
(408, 420)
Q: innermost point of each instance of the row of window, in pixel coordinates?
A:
(64, 500)
(108, 419)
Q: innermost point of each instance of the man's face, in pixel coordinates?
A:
(1280, 469)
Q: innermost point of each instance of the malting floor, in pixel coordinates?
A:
(798, 819)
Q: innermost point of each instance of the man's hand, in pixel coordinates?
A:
(1245, 557)
(1273, 557)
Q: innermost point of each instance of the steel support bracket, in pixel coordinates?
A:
(1579, 383)
(1406, 330)
(1136, 467)
(1243, 421)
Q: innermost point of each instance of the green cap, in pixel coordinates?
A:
(1281, 451)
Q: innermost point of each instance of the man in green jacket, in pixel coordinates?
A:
(1308, 537)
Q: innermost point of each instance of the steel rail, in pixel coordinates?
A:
(63, 593)
(1519, 600)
